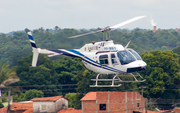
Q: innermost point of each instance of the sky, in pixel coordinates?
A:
(87, 14)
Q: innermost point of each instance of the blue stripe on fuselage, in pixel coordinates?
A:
(83, 57)
(97, 64)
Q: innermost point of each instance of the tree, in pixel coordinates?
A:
(28, 95)
(162, 72)
(7, 76)
(1, 105)
(73, 100)
(33, 94)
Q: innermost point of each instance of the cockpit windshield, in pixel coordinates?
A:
(135, 54)
(128, 56)
(125, 57)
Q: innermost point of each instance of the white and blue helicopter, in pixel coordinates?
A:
(103, 57)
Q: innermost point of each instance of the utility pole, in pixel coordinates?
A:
(9, 99)
(142, 90)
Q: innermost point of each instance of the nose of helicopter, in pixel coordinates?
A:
(142, 64)
(138, 66)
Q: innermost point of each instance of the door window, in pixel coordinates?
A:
(103, 59)
(113, 59)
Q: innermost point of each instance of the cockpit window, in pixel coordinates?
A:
(125, 57)
(135, 54)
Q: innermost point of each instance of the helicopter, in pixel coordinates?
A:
(103, 57)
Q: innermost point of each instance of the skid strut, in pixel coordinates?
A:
(116, 78)
(112, 85)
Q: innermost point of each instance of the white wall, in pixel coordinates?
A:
(49, 106)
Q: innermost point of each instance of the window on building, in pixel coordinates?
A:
(102, 106)
(103, 59)
(137, 104)
(43, 107)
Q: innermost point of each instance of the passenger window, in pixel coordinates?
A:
(113, 59)
(103, 59)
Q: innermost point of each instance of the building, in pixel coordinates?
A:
(70, 110)
(49, 104)
(18, 107)
(176, 110)
(39, 105)
(92, 102)
(112, 102)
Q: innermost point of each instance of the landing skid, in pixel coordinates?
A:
(117, 78)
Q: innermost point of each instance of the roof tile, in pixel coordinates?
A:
(90, 96)
(70, 110)
(55, 98)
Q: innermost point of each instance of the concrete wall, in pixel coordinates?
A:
(49, 106)
(61, 103)
(39, 107)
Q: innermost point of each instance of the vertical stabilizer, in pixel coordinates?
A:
(34, 49)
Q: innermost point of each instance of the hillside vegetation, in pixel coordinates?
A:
(50, 75)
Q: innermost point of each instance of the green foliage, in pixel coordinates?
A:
(48, 72)
(17, 46)
(162, 69)
(162, 72)
(4, 99)
(177, 50)
(7, 76)
(28, 95)
(1, 105)
(33, 94)
(74, 102)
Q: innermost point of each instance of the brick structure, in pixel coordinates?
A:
(112, 102)
(176, 29)
(154, 30)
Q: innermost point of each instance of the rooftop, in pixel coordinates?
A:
(70, 110)
(55, 98)
(90, 96)
(16, 106)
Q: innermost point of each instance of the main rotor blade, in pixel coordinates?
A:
(86, 34)
(113, 27)
(126, 22)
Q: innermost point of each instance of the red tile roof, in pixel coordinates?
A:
(55, 98)
(28, 111)
(70, 110)
(176, 109)
(152, 111)
(21, 106)
(90, 96)
(16, 106)
(3, 110)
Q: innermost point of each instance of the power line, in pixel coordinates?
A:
(41, 85)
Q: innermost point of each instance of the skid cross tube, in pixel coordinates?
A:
(112, 80)
(116, 78)
(134, 76)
